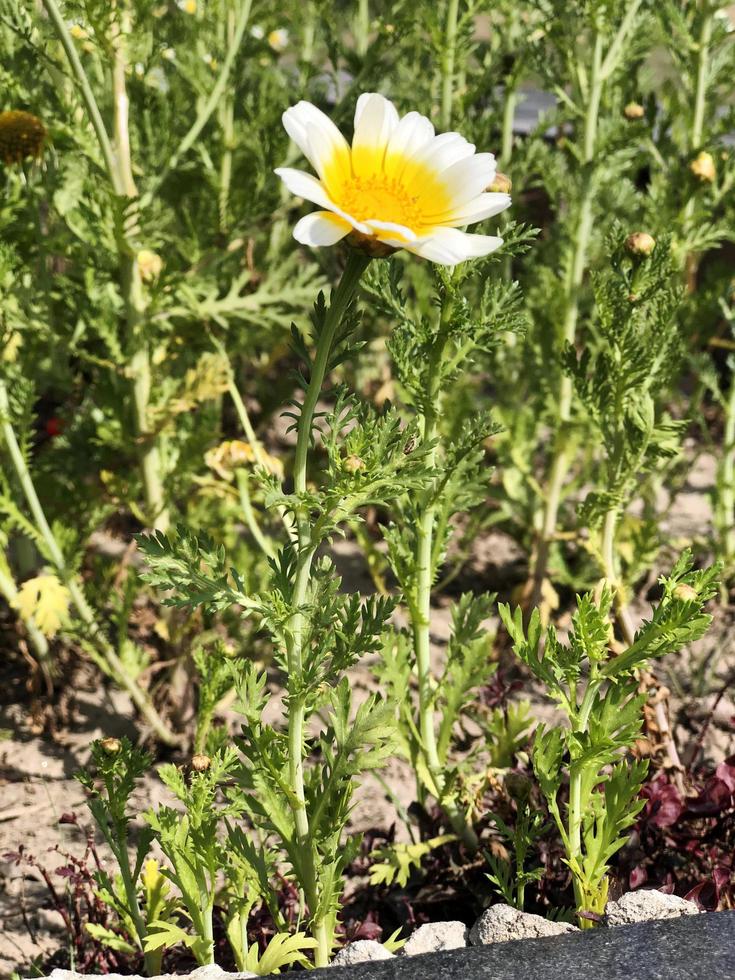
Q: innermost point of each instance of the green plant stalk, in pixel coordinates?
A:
(133, 297)
(509, 111)
(87, 94)
(115, 665)
(220, 86)
(153, 958)
(561, 451)
(227, 122)
(420, 609)
(726, 501)
(119, 170)
(697, 129)
(340, 300)
(448, 64)
(362, 32)
(247, 508)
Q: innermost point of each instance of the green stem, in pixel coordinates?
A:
(362, 32)
(247, 508)
(561, 452)
(448, 63)
(213, 101)
(420, 610)
(227, 120)
(340, 301)
(115, 665)
(697, 129)
(726, 482)
(90, 102)
(509, 110)
(153, 958)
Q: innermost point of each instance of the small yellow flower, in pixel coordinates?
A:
(45, 600)
(703, 168)
(278, 39)
(188, 6)
(150, 265)
(398, 185)
(78, 32)
(21, 135)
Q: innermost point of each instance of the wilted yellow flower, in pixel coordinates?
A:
(21, 135)
(150, 265)
(234, 454)
(703, 167)
(278, 39)
(398, 185)
(45, 600)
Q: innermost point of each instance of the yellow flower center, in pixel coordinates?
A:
(382, 198)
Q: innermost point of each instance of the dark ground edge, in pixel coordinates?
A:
(696, 947)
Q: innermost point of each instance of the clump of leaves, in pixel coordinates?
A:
(597, 691)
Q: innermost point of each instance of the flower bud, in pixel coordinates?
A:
(685, 593)
(200, 762)
(111, 746)
(150, 265)
(353, 464)
(703, 168)
(518, 786)
(634, 110)
(21, 135)
(640, 243)
(501, 184)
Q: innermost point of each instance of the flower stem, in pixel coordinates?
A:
(561, 451)
(113, 663)
(340, 301)
(420, 610)
(448, 63)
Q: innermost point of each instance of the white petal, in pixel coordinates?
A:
(412, 133)
(389, 231)
(469, 177)
(448, 246)
(321, 228)
(444, 150)
(318, 138)
(481, 207)
(376, 119)
(304, 185)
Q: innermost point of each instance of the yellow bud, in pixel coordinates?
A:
(200, 762)
(640, 243)
(150, 265)
(703, 168)
(502, 184)
(685, 593)
(634, 110)
(111, 745)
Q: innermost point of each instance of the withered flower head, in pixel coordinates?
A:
(111, 745)
(200, 762)
(21, 135)
(502, 184)
(634, 110)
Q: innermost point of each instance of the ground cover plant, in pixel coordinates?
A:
(350, 429)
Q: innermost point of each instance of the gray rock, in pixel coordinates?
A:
(362, 951)
(502, 923)
(435, 936)
(646, 905)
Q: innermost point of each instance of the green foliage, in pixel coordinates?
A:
(597, 692)
(400, 860)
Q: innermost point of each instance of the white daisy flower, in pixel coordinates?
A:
(398, 186)
(278, 39)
